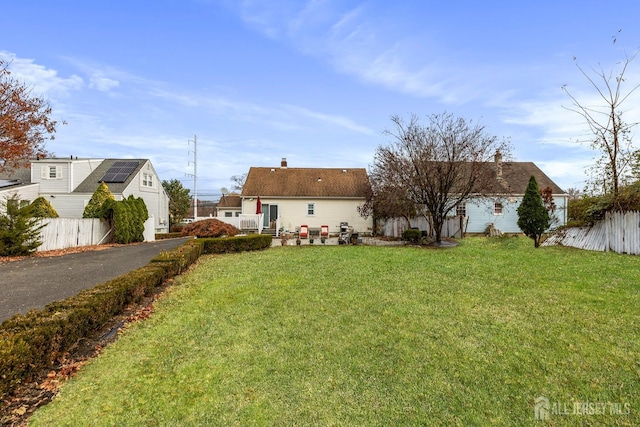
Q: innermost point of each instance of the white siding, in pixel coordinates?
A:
(81, 169)
(24, 192)
(71, 174)
(69, 205)
(40, 174)
(154, 197)
(331, 212)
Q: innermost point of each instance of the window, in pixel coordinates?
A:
(51, 172)
(311, 209)
(147, 180)
(228, 214)
(461, 209)
(497, 208)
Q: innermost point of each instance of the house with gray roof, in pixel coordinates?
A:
(69, 183)
(493, 205)
(497, 206)
(16, 181)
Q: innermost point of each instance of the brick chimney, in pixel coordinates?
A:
(283, 163)
(498, 159)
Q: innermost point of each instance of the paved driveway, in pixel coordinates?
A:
(35, 282)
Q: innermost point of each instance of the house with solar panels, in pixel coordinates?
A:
(17, 182)
(69, 183)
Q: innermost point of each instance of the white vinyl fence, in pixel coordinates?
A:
(619, 232)
(61, 233)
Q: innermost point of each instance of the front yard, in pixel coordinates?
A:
(377, 336)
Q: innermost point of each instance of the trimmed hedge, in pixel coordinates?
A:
(34, 342)
(224, 245)
(173, 235)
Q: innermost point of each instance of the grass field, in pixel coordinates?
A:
(377, 336)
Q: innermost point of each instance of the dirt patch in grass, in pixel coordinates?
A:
(17, 407)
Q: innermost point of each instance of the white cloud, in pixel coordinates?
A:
(103, 84)
(44, 80)
(333, 120)
(373, 50)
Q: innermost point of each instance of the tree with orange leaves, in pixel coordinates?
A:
(25, 125)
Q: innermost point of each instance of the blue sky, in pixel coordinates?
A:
(313, 81)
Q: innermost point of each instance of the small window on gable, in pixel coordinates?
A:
(461, 209)
(147, 180)
(497, 208)
(311, 209)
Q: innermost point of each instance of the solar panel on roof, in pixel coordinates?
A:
(119, 171)
(8, 182)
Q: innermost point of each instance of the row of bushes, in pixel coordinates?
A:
(34, 342)
(587, 209)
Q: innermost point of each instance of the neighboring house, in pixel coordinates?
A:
(499, 209)
(229, 205)
(291, 197)
(497, 206)
(17, 182)
(68, 184)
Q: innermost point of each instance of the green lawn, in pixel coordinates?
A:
(377, 336)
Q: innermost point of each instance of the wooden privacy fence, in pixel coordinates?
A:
(619, 232)
(61, 233)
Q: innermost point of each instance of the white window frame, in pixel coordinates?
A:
(311, 209)
(147, 180)
(498, 208)
(51, 172)
(461, 209)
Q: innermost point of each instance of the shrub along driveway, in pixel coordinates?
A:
(35, 282)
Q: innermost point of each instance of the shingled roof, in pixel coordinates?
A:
(91, 182)
(21, 173)
(515, 178)
(306, 182)
(231, 200)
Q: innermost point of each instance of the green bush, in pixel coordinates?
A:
(19, 229)
(128, 216)
(41, 208)
(222, 245)
(181, 258)
(412, 235)
(94, 207)
(588, 209)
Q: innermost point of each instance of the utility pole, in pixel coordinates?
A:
(195, 175)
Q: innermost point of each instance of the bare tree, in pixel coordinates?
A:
(435, 166)
(611, 134)
(238, 181)
(387, 200)
(574, 193)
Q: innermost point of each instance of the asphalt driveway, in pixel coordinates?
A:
(36, 282)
